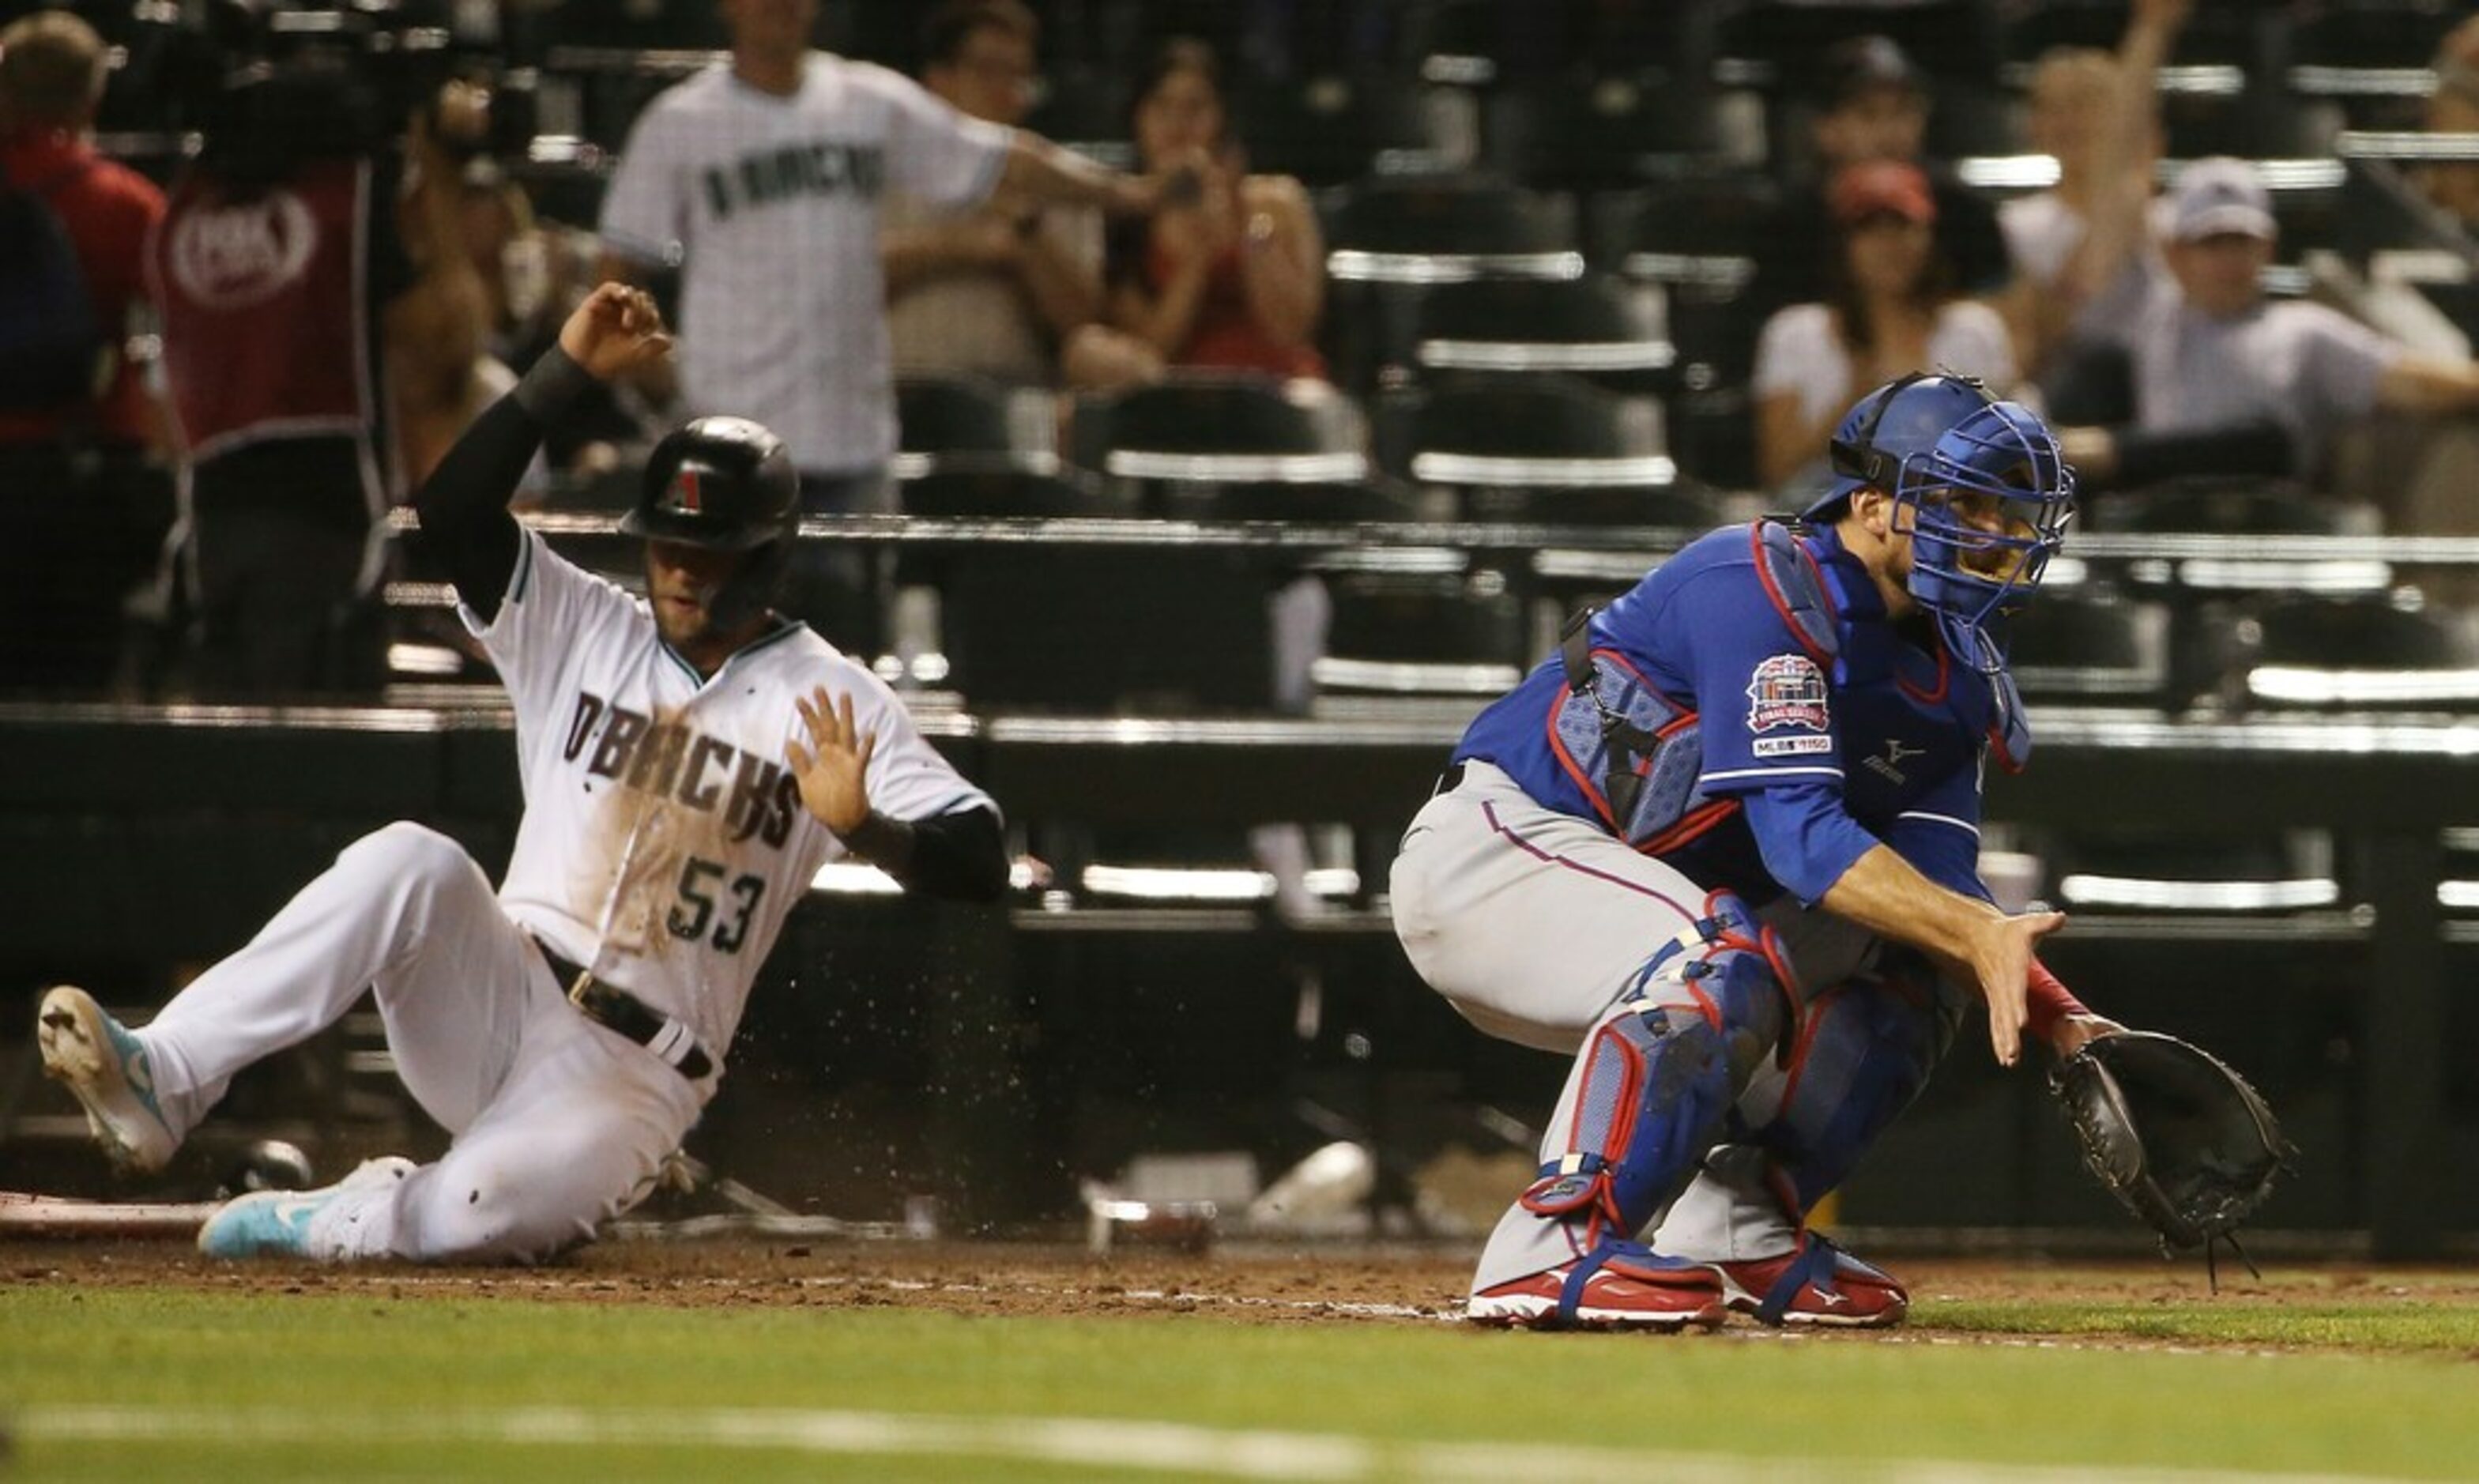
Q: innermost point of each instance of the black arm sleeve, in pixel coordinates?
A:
(464, 505)
(960, 857)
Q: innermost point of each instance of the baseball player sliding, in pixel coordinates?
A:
(1724, 847)
(690, 759)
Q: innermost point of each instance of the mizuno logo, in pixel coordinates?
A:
(1889, 763)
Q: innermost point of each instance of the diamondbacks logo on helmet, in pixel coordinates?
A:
(684, 496)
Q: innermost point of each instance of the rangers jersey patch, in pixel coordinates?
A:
(1787, 690)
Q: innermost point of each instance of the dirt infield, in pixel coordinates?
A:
(1349, 1284)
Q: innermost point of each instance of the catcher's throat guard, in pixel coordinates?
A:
(2179, 1138)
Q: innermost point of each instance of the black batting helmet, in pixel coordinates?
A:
(726, 484)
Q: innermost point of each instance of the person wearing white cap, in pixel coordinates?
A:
(2227, 381)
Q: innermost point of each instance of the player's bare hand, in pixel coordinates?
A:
(614, 331)
(2003, 966)
(833, 768)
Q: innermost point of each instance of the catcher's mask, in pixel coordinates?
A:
(725, 484)
(1988, 493)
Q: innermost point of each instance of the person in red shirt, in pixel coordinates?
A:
(51, 78)
(1230, 274)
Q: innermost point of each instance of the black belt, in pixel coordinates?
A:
(1450, 780)
(616, 1009)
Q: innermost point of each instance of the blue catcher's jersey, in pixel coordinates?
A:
(1763, 660)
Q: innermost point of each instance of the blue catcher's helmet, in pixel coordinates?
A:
(1988, 492)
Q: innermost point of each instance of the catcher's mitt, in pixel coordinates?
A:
(2177, 1135)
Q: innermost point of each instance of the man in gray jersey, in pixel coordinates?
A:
(2225, 380)
(763, 178)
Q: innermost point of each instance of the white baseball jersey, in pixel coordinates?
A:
(664, 838)
(773, 205)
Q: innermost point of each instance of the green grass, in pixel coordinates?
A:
(361, 1388)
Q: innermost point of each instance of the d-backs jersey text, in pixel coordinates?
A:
(773, 204)
(664, 839)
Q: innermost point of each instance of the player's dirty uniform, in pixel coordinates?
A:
(1625, 859)
(568, 1029)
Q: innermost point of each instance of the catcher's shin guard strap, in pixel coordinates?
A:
(1815, 1266)
(1629, 1260)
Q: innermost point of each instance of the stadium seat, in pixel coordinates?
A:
(1596, 131)
(1418, 621)
(1542, 431)
(949, 423)
(1231, 428)
(1596, 327)
(2360, 653)
(2229, 507)
(1329, 129)
(1441, 228)
(1694, 239)
(2091, 645)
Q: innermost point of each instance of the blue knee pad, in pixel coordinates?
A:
(1864, 1052)
(1659, 1078)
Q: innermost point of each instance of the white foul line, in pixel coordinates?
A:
(1103, 1442)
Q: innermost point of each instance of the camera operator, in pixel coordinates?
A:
(314, 308)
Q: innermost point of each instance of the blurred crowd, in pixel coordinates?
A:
(243, 317)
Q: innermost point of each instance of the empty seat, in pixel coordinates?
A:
(2128, 870)
(1224, 429)
(1548, 431)
(1596, 327)
(962, 421)
(2230, 507)
(1597, 130)
(1435, 229)
(2358, 654)
(2091, 645)
(1330, 129)
(1418, 621)
(1694, 240)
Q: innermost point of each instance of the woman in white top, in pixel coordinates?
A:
(1890, 313)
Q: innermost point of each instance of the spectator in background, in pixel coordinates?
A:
(2453, 108)
(533, 274)
(438, 345)
(84, 498)
(763, 179)
(1889, 310)
(51, 78)
(994, 287)
(288, 303)
(1874, 105)
(1230, 274)
(2226, 382)
(2088, 107)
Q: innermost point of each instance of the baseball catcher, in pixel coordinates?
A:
(1723, 849)
(2174, 1133)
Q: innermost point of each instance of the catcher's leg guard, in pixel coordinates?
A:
(1655, 1086)
(1863, 1053)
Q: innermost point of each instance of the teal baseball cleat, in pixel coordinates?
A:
(106, 1068)
(276, 1223)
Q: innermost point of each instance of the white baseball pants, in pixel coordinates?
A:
(558, 1122)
